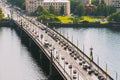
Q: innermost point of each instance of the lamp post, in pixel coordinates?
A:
(72, 39)
(106, 71)
(91, 56)
(83, 51)
(98, 62)
(77, 43)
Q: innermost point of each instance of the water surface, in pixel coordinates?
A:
(105, 42)
(16, 62)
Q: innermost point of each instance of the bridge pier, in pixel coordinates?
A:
(21, 33)
(50, 69)
(30, 44)
(41, 56)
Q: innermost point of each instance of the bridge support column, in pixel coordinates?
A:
(21, 33)
(40, 57)
(30, 44)
(51, 61)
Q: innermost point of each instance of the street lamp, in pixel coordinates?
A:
(91, 56)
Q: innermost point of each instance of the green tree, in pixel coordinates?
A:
(1, 14)
(62, 10)
(103, 2)
(80, 10)
(48, 18)
(114, 17)
(40, 10)
(111, 9)
(57, 12)
(19, 3)
(102, 10)
(94, 11)
(52, 10)
(95, 2)
(74, 4)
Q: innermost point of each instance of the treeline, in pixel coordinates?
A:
(19, 3)
(1, 14)
(95, 10)
(49, 15)
(41, 10)
(114, 17)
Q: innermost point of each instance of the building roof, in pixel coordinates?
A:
(56, 1)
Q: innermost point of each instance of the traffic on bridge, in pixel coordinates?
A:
(70, 61)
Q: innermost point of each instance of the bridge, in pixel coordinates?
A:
(69, 60)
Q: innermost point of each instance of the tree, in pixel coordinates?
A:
(102, 10)
(57, 12)
(94, 11)
(40, 10)
(48, 18)
(111, 9)
(1, 14)
(95, 2)
(74, 4)
(103, 2)
(62, 10)
(19, 3)
(52, 10)
(114, 17)
(80, 10)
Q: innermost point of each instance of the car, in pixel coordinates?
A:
(46, 44)
(90, 71)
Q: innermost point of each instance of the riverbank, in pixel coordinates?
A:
(86, 25)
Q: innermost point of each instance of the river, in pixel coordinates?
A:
(105, 43)
(16, 62)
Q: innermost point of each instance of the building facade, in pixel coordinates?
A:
(31, 5)
(85, 1)
(115, 3)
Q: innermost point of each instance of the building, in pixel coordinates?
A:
(85, 1)
(115, 3)
(31, 5)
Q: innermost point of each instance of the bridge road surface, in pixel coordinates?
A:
(81, 74)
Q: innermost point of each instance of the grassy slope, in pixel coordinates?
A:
(68, 19)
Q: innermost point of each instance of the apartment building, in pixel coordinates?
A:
(85, 1)
(115, 3)
(31, 5)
